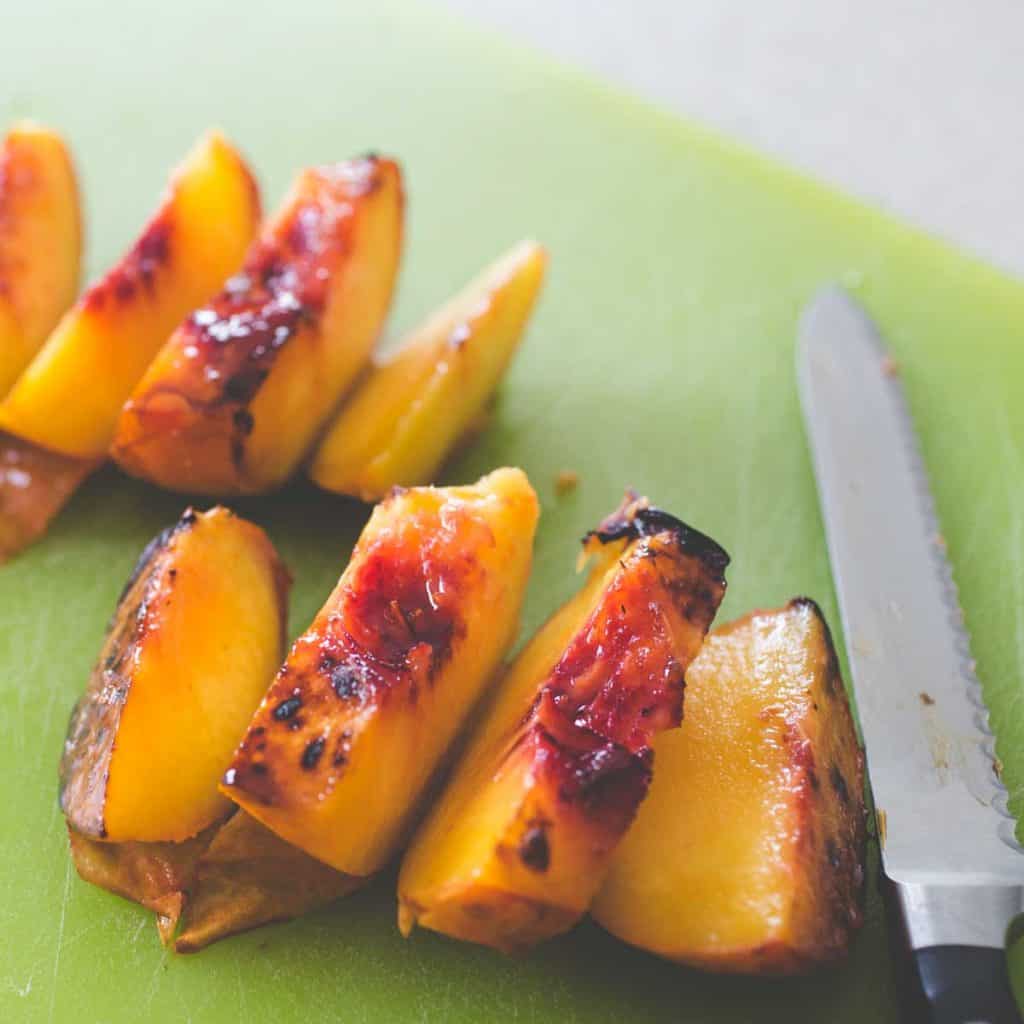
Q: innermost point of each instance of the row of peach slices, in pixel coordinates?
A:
(392, 730)
(229, 392)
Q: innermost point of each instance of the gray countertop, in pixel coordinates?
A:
(916, 106)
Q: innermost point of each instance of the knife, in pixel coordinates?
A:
(947, 838)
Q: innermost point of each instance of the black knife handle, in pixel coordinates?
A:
(965, 985)
(954, 967)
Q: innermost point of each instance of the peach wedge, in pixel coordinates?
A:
(195, 640)
(521, 838)
(748, 855)
(70, 395)
(415, 405)
(40, 242)
(238, 394)
(346, 740)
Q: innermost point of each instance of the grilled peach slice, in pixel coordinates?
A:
(521, 838)
(748, 855)
(249, 877)
(414, 406)
(371, 695)
(40, 242)
(195, 639)
(238, 394)
(70, 395)
(35, 484)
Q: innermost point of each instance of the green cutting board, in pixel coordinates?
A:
(661, 357)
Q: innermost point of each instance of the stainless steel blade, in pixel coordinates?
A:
(930, 751)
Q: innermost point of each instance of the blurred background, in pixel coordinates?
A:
(914, 106)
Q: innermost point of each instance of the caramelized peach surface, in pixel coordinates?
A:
(40, 242)
(197, 635)
(748, 855)
(239, 392)
(416, 404)
(372, 694)
(197, 237)
(522, 836)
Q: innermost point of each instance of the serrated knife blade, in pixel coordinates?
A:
(948, 839)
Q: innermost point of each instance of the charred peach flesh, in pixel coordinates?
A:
(70, 395)
(372, 694)
(238, 394)
(521, 838)
(748, 855)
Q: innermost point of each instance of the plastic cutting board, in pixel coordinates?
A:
(661, 357)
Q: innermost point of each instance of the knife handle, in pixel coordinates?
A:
(965, 985)
(956, 937)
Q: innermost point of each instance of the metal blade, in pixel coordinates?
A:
(941, 805)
